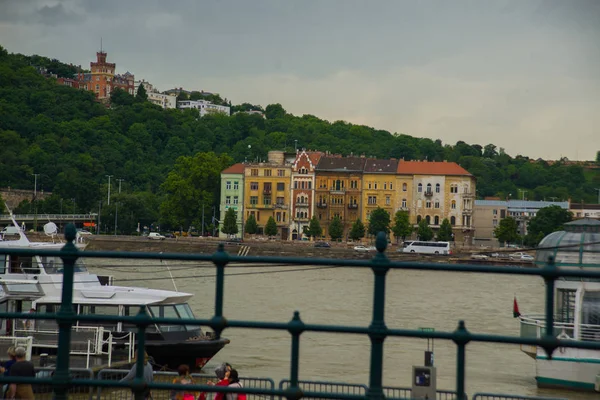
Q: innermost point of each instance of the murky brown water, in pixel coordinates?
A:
(344, 296)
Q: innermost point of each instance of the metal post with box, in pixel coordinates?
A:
(424, 377)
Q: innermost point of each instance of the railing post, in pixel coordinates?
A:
(461, 338)
(139, 383)
(549, 340)
(295, 327)
(220, 259)
(377, 329)
(65, 315)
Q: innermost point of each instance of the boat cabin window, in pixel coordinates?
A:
(131, 311)
(21, 265)
(54, 265)
(3, 259)
(99, 310)
(565, 306)
(590, 317)
(179, 311)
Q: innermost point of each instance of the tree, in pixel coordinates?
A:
(271, 227)
(314, 227)
(445, 232)
(547, 220)
(379, 221)
(424, 232)
(192, 183)
(274, 111)
(251, 226)
(120, 97)
(336, 229)
(2, 206)
(506, 231)
(402, 227)
(141, 94)
(230, 226)
(358, 230)
(598, 157)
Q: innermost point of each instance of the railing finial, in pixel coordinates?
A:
(381, 242)
(70, 232)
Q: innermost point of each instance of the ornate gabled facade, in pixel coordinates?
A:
(437, 190)
(338, 190)
(303, 191)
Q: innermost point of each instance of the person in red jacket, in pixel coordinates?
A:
(222, 372)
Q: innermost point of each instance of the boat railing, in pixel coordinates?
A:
(534, 326)
(12, 341)
(80, 336)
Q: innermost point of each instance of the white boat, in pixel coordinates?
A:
(36, 282)
(577, 310)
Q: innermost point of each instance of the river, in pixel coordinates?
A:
(345, 296)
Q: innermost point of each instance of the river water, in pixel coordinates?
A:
(345, 296)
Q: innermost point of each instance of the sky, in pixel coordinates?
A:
(523, 75)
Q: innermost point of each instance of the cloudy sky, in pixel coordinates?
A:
(524, 75)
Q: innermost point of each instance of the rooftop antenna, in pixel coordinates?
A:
(100, 44)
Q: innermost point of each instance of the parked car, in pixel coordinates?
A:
(155, 236)
(517, 255)
(323, 245)
(82, 232)
(234, 241)
(479, 257)
(361, 249)
(169, 235)
(527, 257)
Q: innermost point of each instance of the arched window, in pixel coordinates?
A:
(437, 204)
(420, 187)
(453, 204)
(418, 219)
(404, 187)
(436, 220)
(429, 188)
(428, 219)
(437, 187)
(403, 203)
(452, 221)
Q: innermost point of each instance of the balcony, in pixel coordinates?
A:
(468, 195)
(301, 219)
(321, 205)
(337, 191)
(467, 211)
(267, 191)
(302, 204)
(264, 206)
(352, 206)
(428, 193)
(280, 205)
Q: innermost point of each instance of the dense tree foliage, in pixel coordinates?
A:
(402, 226)
(230, 226)
(507, 231)
(424, 231)
(271, 227)
(314, 228)
(445, 232)
(336, 229)
(74, 142)
(379, 221)
(251, 226)
(358, 230)
(546, 220)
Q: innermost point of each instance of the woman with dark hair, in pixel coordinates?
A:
(234, 382)
(184, 378)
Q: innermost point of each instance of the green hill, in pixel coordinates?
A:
(75, 142)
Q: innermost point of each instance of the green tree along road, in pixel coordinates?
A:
(402, 227)
(314, 228)
(507, 231)
(230, 226)
(379, 221)
(251, 227)
(358, 230)
(271, 227)
(445, 232)
(424, 231)
(74, 141)
(336, 229)
(547, 220)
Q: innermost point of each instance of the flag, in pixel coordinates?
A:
(516, 312)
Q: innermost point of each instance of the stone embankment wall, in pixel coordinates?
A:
(12, 197)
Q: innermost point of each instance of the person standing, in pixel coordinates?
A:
(234, 382)
(21, 368)
(148, 375)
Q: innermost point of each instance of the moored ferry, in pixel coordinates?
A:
(28, 282)
(577, 308)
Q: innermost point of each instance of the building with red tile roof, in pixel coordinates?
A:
(431, 168)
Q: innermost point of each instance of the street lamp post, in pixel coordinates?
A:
(120, 180)
(35, 202)
(108, 176)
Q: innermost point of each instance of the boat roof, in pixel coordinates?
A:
(120, 295)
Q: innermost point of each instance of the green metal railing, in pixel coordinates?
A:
(377, 331)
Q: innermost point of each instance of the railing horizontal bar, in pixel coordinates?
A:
(173, 386)
(473, 337)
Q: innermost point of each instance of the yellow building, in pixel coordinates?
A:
(379, 187)
(338, 191)
(267, 193)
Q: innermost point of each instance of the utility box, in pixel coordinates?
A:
(424, 383)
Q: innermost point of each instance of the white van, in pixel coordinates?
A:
(10, 230)
(442, 248)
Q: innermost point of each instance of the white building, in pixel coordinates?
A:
(581, 210)
(155, 97)
(204, 107)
